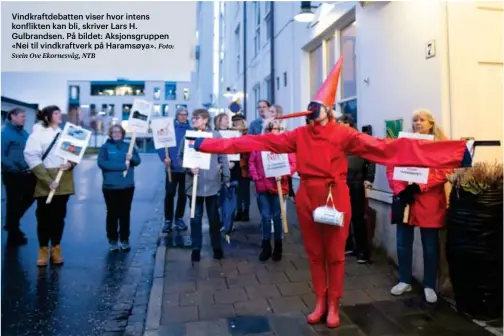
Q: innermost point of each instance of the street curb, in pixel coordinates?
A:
(154, 308)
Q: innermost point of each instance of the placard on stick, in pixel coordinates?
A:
(193, 158)
(228, 135)
(140, 115)
(163, 131)
(413, 174)
(275, 165)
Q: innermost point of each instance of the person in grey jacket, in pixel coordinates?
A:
(209, 185)
(360, 175)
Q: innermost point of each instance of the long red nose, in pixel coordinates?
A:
(295, 115)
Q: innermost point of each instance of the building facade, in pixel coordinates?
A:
(398, 57)
(98, 104)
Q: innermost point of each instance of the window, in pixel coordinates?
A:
(170, 91)
(285, 79)
(111, 110)
(331, 54)
(157, 93)
(348, 72)
(350, 107)
(267, 83)
(257, 35)
(186, 94)
(316, 70)
(126, 108)
(267, 19)
(166, 110)
(73, 94)
(257, 96)
(156, 110)
(117, 88)
(237, 48)
(278, 83)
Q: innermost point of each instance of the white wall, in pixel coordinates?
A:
(204, 67)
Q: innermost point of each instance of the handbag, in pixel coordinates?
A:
(329, 215)
(397, 210)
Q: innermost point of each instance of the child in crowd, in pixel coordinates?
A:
(269, 203)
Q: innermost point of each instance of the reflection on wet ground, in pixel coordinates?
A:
(76, 298)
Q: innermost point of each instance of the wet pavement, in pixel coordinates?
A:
(241, 296)
(95, 291)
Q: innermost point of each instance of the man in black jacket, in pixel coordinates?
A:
(361, 174)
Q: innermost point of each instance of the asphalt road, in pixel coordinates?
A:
(75, 299)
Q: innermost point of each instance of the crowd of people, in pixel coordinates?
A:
(340, 172)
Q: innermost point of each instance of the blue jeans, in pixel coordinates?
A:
(243, 194)
(430, 244)
(212, 208)
(269, 206)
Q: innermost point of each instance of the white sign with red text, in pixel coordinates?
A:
(275, 165)
(413, 174)
(193, 158)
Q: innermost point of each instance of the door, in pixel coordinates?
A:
(475, 38)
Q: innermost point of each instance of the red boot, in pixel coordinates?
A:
(320, 311)
(333, 320)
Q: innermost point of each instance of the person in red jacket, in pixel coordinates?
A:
(321, 148)
(269, 201)
(427, 211)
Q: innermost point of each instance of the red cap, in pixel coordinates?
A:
(326, 95)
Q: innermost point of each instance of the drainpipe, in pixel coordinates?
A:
(272, 52)
(244, 27)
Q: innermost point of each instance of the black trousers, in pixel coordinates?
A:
(118, 202)
(212, 208)
(358, 239)
(51, 219)
(177, 186)
(19, 189)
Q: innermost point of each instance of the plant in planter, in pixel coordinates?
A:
(474, 239)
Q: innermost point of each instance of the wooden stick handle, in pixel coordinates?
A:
(130, 150)
(282, 206)
(193, 196)
(168, 169)
(406, 211)
(52, 192)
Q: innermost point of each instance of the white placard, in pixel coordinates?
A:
(163, 132)
(275, 165)
(193, 158)
(413, 174)
(140, 115)
(231, 134)
(72, 143)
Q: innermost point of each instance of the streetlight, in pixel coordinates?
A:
(306, 14)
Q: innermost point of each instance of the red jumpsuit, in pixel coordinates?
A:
(321, 161)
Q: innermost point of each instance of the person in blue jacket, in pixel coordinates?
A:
(19, 181)
(118, 189)
(178, 176)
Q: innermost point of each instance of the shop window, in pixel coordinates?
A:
(330, 54)
(115, 89)
(316, 70)
(170, 91)
(350, 107)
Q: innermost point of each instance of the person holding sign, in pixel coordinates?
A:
(267, 195)
(322, 200)
(40, 156)
(427, 209)
(243, 191)
(118, 190)
(207, 186)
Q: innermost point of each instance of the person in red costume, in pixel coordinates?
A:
(321, 148)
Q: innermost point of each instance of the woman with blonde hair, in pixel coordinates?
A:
(427, 209)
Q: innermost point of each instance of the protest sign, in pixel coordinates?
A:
(140, 115)
(231, 134)
(163, 132)
(413, 174)
(193, 158)
(275, 165)
(71, 146)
